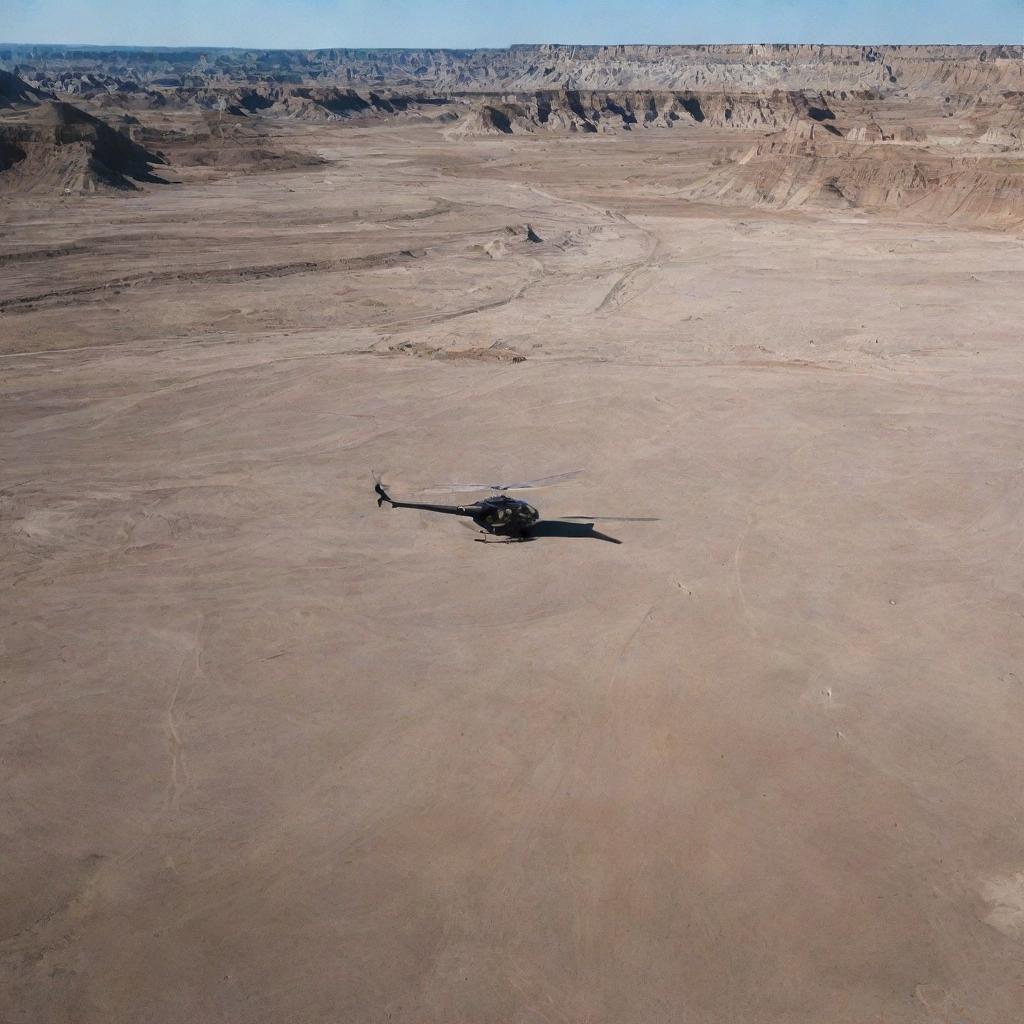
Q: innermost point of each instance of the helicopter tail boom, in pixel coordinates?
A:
(452, 510)
(383, 496)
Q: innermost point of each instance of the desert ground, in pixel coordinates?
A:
(271, 753)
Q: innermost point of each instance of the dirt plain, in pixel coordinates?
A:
(272, 754)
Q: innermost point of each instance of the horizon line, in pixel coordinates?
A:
(509, 46)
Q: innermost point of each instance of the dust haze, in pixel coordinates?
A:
(271, 753)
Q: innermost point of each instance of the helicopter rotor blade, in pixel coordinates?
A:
(615, 519)
(518, 485)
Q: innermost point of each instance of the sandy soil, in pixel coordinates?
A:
(272, 754)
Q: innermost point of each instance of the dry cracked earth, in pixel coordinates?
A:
(270, 753)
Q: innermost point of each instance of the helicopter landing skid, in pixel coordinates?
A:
(501, 540)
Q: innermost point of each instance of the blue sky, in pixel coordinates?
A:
(468, 23)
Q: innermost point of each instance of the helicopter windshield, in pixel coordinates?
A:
(499, 516)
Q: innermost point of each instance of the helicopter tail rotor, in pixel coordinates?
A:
(382, 495)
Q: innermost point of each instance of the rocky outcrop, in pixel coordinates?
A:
(15, 93)
(874, 132)
(815, 166)
(311, 103)
(571, 110)
(47, 145)
(272, 99)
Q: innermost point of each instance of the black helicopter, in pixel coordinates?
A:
(511, 519)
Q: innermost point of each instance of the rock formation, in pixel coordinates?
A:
(47, 144)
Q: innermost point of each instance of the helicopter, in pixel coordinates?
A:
(509, 519)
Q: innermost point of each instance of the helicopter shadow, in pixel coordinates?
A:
(553, 528)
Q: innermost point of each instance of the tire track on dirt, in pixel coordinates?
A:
(68, 296)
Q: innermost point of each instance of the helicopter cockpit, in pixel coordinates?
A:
(501, 513)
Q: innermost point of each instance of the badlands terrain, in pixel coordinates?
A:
(271, 753)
